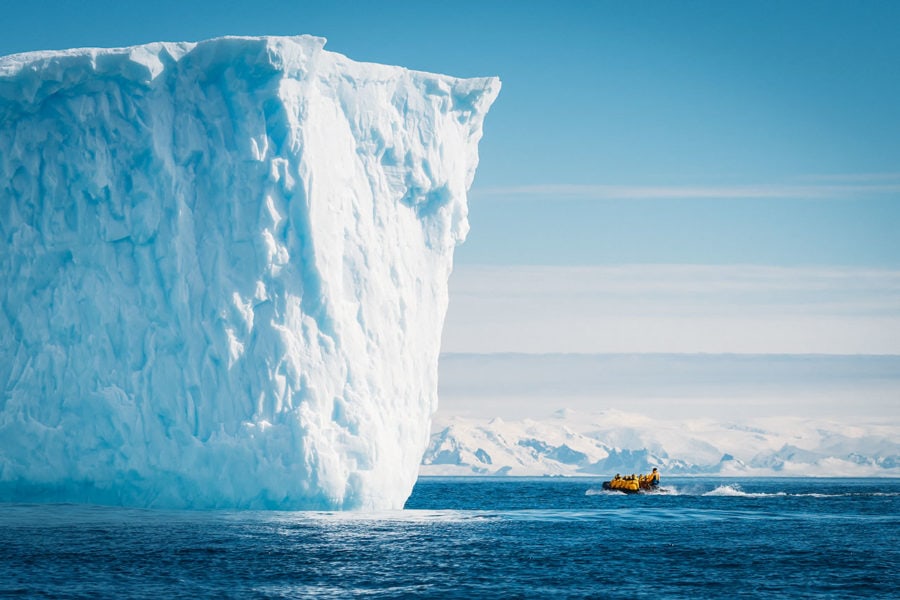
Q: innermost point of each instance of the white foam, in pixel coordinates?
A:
(736, 491)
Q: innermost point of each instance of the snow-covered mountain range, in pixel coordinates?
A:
(573, 443)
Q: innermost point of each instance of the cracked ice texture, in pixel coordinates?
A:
(223, 271)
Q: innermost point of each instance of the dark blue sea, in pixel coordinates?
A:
(479, 538)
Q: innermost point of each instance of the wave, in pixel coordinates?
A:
(735, 490)
(672, 491)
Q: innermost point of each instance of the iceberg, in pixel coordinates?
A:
(224, 270)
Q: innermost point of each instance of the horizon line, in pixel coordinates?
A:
(514, 354)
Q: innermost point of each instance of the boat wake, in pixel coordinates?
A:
(735, 490)
(654, 492)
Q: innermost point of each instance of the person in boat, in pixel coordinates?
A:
(653, 477)
(617, 477)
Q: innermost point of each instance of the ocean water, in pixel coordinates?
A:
(479, 538)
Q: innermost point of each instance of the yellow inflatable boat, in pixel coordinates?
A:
(633, 484)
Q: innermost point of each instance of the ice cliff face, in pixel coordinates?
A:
(223, 271)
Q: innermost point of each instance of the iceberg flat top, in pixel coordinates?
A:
(223, 271)
(53, 70)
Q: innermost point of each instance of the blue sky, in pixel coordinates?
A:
(782, 116)
(656, 177)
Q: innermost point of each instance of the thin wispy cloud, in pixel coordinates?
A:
(865, 186)
(664, 308)
(729, 386)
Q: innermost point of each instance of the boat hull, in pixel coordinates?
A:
(630, 486)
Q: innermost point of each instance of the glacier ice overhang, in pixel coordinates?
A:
(223, 271)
